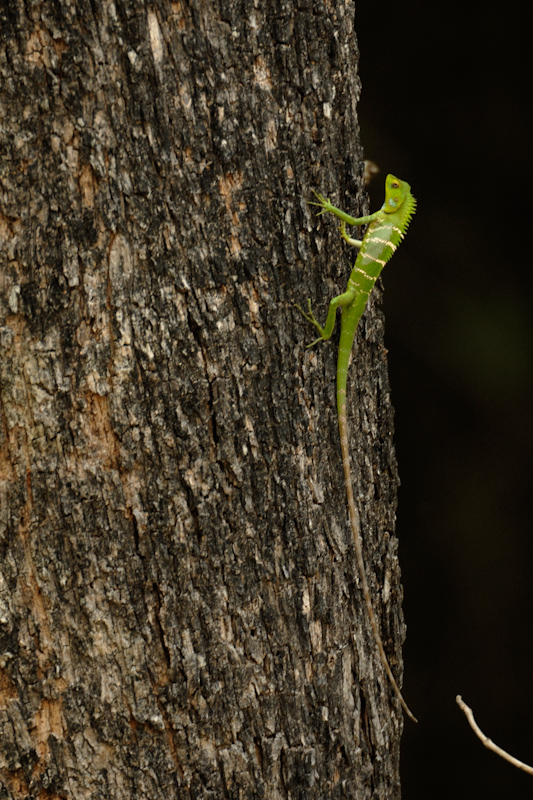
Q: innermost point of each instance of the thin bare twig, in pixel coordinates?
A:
(488, 742)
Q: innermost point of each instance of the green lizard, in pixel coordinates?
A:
(385, 231)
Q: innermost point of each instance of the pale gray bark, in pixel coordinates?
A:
(180, 612)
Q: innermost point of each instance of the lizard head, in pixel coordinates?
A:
(396, 192)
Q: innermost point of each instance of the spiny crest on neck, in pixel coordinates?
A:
(407, 211)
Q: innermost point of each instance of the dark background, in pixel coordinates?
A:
(446, 105)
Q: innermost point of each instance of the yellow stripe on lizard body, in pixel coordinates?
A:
(386, 229)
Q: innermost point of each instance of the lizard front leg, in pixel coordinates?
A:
(353, 242)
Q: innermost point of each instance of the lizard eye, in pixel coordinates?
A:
(395, 185)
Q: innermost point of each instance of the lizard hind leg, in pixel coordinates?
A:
(310, 317)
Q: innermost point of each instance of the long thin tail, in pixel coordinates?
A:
(356, 531)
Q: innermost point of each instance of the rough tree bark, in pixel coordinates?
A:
(180, 612)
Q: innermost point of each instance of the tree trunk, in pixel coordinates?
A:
(180, 610)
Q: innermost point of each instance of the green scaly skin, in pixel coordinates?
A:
(386, 229)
